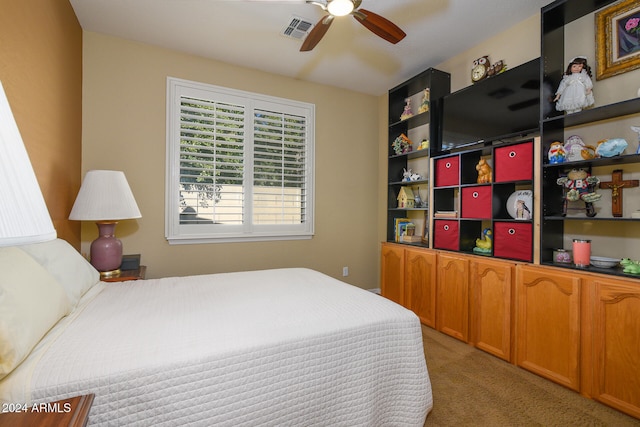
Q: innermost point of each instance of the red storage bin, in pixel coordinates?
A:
(476, 202)
(447, 171)
(446, 235)
(513, 240)
(513, 162)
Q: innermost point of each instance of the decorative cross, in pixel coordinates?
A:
(615, 185)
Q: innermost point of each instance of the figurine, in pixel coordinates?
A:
(522, 211)
(484, 243)
(637, 130)
(484, 172)
(557, 153)
(579, 185)
(575, 91)
(402, 144)
(630, 266)
(576, 150)
(611, 147)
(424, 107)
(407, 110)
(424, 144)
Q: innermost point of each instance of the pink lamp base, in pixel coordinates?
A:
(106, 250)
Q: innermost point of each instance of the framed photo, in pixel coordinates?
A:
(618, 39)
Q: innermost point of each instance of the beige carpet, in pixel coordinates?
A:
(473, 388)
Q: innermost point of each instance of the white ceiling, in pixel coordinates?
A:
(247, 33)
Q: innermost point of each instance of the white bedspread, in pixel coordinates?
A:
(286, 347)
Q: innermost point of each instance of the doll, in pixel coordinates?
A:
(575, 91)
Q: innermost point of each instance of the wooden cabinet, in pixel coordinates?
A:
(615, 323)
(392, 273)
(453, 295)
(409, 279)
(491, 294)
(420, 284)
(548, 323)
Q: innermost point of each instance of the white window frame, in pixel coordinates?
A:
(177, 233)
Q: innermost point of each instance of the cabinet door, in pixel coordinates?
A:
(420, 284)
(453, 296)
(548, 323)
(616, 344)
(491, 290)
(392, 274)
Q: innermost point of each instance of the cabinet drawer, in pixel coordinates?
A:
(514, 162)
(446, 235)
(447, 171)
(476, 202)
(513, 240)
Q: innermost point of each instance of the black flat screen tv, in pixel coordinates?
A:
(501, 107)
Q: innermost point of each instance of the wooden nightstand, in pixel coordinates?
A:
(137, 274)
(72, 412)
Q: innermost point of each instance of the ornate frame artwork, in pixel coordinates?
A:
(617, 39)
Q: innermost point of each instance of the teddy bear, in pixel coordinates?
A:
(484, 172)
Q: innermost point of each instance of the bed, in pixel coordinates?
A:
(280, 347)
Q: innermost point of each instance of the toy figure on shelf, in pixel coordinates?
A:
(402, 144)
(575, 91)
(636, 129)
(407, 110)
(424, 107)
(424, 144)
(484, 172)
(557, 153)
(611, 147)
(484, 243)
(579, 185)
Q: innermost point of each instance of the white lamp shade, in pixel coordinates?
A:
(24, 217)
(340, 7)
(104, 196)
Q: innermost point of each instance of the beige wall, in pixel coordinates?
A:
(124, 128)
(41, 72)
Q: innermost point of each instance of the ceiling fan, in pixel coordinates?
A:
(375, 23)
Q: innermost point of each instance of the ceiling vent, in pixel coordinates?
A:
(298, 28)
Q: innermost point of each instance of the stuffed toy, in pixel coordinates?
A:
(579, 185)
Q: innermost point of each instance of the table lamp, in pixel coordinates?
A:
(105, 197)
(24, 217)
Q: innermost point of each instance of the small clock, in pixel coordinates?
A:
(479, 69)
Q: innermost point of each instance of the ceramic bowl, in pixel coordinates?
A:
(604, 262)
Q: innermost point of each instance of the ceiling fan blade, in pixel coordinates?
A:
(316, 34)
(379, 25)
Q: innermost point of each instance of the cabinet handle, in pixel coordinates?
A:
(475, 195)
(512, 231)
(447, 165)
(512, 154)
(446, 228)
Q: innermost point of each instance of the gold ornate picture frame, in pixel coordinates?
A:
(617, 39)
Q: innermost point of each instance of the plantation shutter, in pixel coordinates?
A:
(211, 162)
(239, 165)
(279, 168)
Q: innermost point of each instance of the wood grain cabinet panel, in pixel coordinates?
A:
(548, 323)
(392, 273)
(453, 296)
(420, 284)
(491, 291)
(616, 344)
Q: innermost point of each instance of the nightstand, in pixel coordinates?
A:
(72, 412)
(124, 275)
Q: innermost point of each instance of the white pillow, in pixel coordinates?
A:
(73, 272)
(31, 302)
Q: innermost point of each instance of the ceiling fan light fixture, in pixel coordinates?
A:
(340, 7)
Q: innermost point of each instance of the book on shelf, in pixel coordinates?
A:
(400, 226)
(445, 214)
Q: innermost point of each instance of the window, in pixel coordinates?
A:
(239, 165)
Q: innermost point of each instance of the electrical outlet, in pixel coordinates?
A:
(345, 271)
